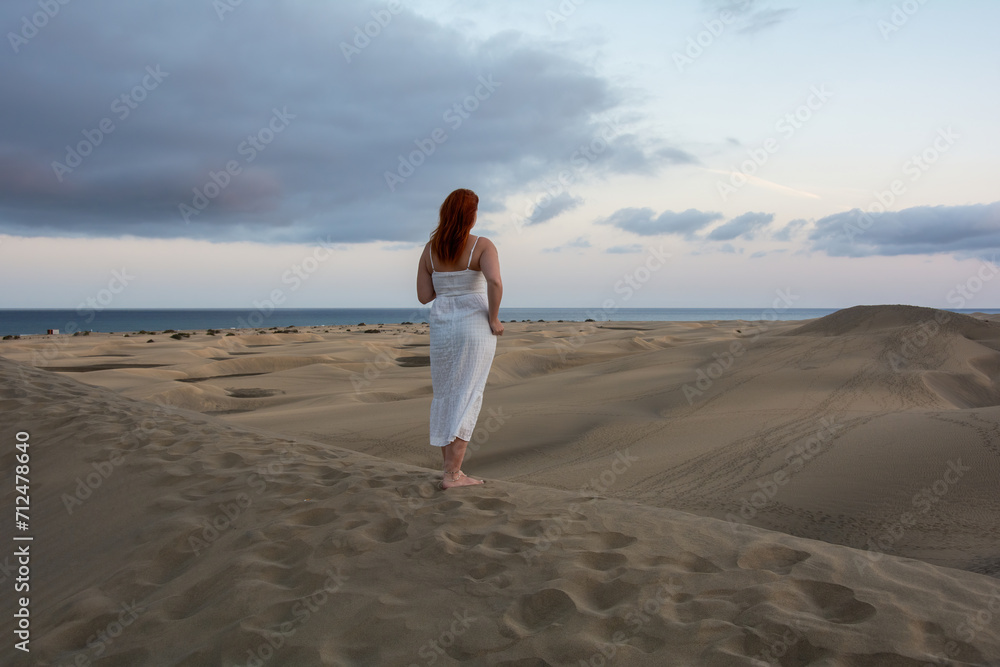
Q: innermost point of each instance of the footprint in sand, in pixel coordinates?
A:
(534, 612)
(772, 557)
(317, 516)
(602, 560)
(836, 603)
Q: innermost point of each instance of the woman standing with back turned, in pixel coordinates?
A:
(461, 274)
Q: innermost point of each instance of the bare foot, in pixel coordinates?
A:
(459, 479)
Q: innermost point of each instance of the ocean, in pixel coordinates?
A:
(39, 321)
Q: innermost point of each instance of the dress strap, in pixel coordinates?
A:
(430, 253)
(472, 251)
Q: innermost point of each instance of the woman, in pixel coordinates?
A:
(461, 274)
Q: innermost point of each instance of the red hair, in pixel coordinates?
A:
(458, 214)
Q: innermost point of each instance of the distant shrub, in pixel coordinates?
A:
(361, 324)
(150, 341)
(180, 336)
(212, 332)
(588, 320)
(169, 331)
(11, 337)
(230, 334)
(373, 331)
(406, 322)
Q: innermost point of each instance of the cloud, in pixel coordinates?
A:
(420, 101)
(746, 225)
(625, 249)
(789, 230)
(579, 242)
(554, 207)
(645, 222)
(962, 230)
(763, 19)
(751, 16)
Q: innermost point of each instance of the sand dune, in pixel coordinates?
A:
(206, 543)
(875, 427)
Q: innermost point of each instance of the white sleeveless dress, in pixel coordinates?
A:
(462, 350)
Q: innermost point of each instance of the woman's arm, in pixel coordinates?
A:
(489, 264)
(425, 286)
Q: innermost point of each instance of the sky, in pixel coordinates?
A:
(712, 153)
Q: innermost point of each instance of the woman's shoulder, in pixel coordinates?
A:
(483, 242)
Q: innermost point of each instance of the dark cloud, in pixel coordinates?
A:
(645, 222)
(746, 225)
(267, 89)
(962, 230)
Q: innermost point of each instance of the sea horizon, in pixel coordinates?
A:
(33, 321)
